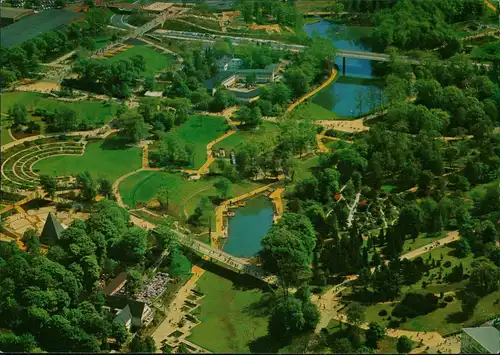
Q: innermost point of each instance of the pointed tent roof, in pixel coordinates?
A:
(51, 230)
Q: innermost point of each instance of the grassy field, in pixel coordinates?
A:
(156, 60)
(107, 159)
(423, 239)
(266, 129)
(314, 111)
(95, 111)
(184, 195)
(230, 312)
(4, 126)
(198, 132)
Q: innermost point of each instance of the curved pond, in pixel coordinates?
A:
(247, 228)
(358, 91)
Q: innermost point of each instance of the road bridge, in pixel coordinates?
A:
(210, 38)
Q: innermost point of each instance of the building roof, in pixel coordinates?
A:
(116, 284)
(14, 12)
(216, 79)
(488, 337)
(134, 307)
(51, 230)
(35, 25)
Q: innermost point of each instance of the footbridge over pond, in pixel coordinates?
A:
(215, 255)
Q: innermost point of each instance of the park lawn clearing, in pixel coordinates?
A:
(183, 194)
(96, 112)
(314, 112)
(267, 130)
(108, 159)
(197, 132)
(156, 60)
(229, 313)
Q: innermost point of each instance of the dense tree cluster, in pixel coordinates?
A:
(110, 78)
(23, 60)
(396, 26)
(262, 11)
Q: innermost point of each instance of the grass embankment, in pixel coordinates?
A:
(107, 159)
(156, 60)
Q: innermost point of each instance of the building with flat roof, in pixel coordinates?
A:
(10, 15)
(480, 340)
(36, 25)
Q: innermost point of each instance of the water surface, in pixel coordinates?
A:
(247, 228)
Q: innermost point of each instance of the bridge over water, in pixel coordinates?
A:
(215, 255)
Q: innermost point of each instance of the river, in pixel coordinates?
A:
(357, 90)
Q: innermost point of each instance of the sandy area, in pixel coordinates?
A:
(40, 86)
(349, 126)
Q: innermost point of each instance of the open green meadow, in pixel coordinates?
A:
(314, 112)
(197, 132)
(267, 129)
(156, 60)
(184, 195)
(107, 159)
(230, 312)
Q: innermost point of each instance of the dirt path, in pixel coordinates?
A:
(278, 202)
(315, 91)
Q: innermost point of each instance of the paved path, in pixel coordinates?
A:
(175, 314)
(331, 78)
(490, 5)
(450, 238)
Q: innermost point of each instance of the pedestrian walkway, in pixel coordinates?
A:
(315, 91)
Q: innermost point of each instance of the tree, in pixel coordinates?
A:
(133, 127)
(149, 83)
(49, 185)
(143, 344)
(180, 266)
(134, 281)
(462, 248)
(469, 302)
(131, 250)
(87, 186)
(484, 277)
(19, 115)
(404, 345)
(356, 314)
(286, 318)
(250, 79)
(223, 187)
(374, 334)
(65, 120)
(105, 188)
(31, 240)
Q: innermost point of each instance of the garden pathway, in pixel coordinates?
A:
(175, 315)
(315, 91)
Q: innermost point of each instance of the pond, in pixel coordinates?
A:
(358, 91)
(247, 228)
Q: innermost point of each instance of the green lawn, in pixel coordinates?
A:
(315, 112)
(156, 60)
(305, 168)
(423, 239)
(95, 112)
(230, 314)
(143, 186)
(266, 129)
(198, 131)
(104, 159)
(4, 127)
